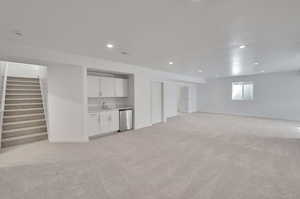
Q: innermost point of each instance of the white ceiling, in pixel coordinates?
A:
(194, 34)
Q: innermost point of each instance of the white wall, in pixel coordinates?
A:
(22, 70)
(276, 95)
(65, 102)
(142, 100)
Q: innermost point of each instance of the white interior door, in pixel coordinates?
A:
(156, 102)
(184, 100)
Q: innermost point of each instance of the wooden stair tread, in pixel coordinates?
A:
(24, 129)
(24, 122)
(20, 116)
(24, 136)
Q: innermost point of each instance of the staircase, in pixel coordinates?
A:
(24, 118)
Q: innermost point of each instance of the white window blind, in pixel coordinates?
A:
(242, 91)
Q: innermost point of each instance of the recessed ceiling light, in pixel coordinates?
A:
(124, 53)
(256, 63)
(171, 63)
(262, 71)
(110, 45)
(17, 33)
(200, 71)
(242, 46)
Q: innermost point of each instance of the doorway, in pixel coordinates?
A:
(184, 100)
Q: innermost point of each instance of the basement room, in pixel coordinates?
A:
(157, 99)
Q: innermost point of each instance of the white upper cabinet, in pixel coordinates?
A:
(93, 88)
(121, 87)
(107, 87)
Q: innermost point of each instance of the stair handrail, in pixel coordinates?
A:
(3, 99)
(44, 93)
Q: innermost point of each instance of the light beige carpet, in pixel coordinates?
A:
(197, 156)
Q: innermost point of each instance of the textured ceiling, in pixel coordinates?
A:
(196, 35)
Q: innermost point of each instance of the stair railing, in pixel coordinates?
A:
(43, 80)
(3, 93)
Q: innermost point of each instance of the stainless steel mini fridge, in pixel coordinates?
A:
(126, 120)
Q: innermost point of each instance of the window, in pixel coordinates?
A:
(242, 91)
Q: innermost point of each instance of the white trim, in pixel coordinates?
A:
(69, 140)
(261, 116)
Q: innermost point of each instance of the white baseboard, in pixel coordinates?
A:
(70, 140)
(249, 115)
